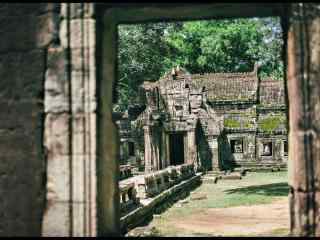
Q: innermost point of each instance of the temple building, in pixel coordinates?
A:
(217, 121)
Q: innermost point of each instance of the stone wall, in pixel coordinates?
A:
(304, 96)
(27, 31)
(70, 125)
(181, 103)
(154, 192)
(271, 92)
(279, 157)
(131, 139)
(245, 155)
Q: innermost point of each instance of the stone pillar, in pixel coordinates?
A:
(155, 144)
(163, 155)
(70, 126)
(147, 149)
(304, 118)
(108, 139)
(213, 144)
(167, 149)
(191, 148)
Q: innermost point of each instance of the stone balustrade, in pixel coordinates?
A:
(125, 171)
(128, 196)
(173, 176)
(150, 185)
(187, 170)
(154, 183)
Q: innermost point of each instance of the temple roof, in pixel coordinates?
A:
(220, 87)
(227, 86)
(271, 92)
(223, 87)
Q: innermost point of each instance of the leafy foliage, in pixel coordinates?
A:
(227, 46)
(141, 54)
(147, 51)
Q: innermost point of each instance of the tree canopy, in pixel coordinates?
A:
(147, 51)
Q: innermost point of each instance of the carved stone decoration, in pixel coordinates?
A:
(205, 107)
(70, 126)
(304, 88)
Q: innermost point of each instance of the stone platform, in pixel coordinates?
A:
(152, 205)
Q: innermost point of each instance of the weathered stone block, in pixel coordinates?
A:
(56, 219)
(15, 36)
(78, 10)
(80, 173)
(14, 143)
(56, 135)
(28, 208)
(158, 177)
(83, 92)
(24, 212)
(303, 165)
(304, 213)
(82, 33)
(47, 29)
(79, 216)
(58, 178)
(42, 30)
(26, 110)
(84, 134)
(56, 84)
(83, 59)
(25, 9)
(19, 165)
(22, 74)
(151, 187)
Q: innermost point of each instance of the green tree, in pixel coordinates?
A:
(141, 52)
(147, 51)
(227, 46)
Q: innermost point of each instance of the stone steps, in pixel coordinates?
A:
(211, 177)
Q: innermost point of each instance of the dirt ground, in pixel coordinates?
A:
(256, 205)
(237, 221)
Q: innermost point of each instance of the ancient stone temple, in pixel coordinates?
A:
(59, 159)
(217, 121)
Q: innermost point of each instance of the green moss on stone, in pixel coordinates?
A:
(231, 123)
(271, 123)
(248, 125)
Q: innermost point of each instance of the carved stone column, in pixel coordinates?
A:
(70, 126)
(167, 149)
(191, 147)
(155, 151)
(213, 144)
(163, 154)
(147, 149)
(304, 118)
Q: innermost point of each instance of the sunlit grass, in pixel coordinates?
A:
(253, 189)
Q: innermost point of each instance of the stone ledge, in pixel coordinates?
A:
(148, 207)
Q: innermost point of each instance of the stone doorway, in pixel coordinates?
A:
(176, 148)
(107, 159)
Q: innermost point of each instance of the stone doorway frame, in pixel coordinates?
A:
(162, 12)
(98, 25)
(174, 135)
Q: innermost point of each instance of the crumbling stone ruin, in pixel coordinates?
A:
(197, 122)
(216, 121)
(59, 161)
(143, 195)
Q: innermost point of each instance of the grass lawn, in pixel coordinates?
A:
(253, 189)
